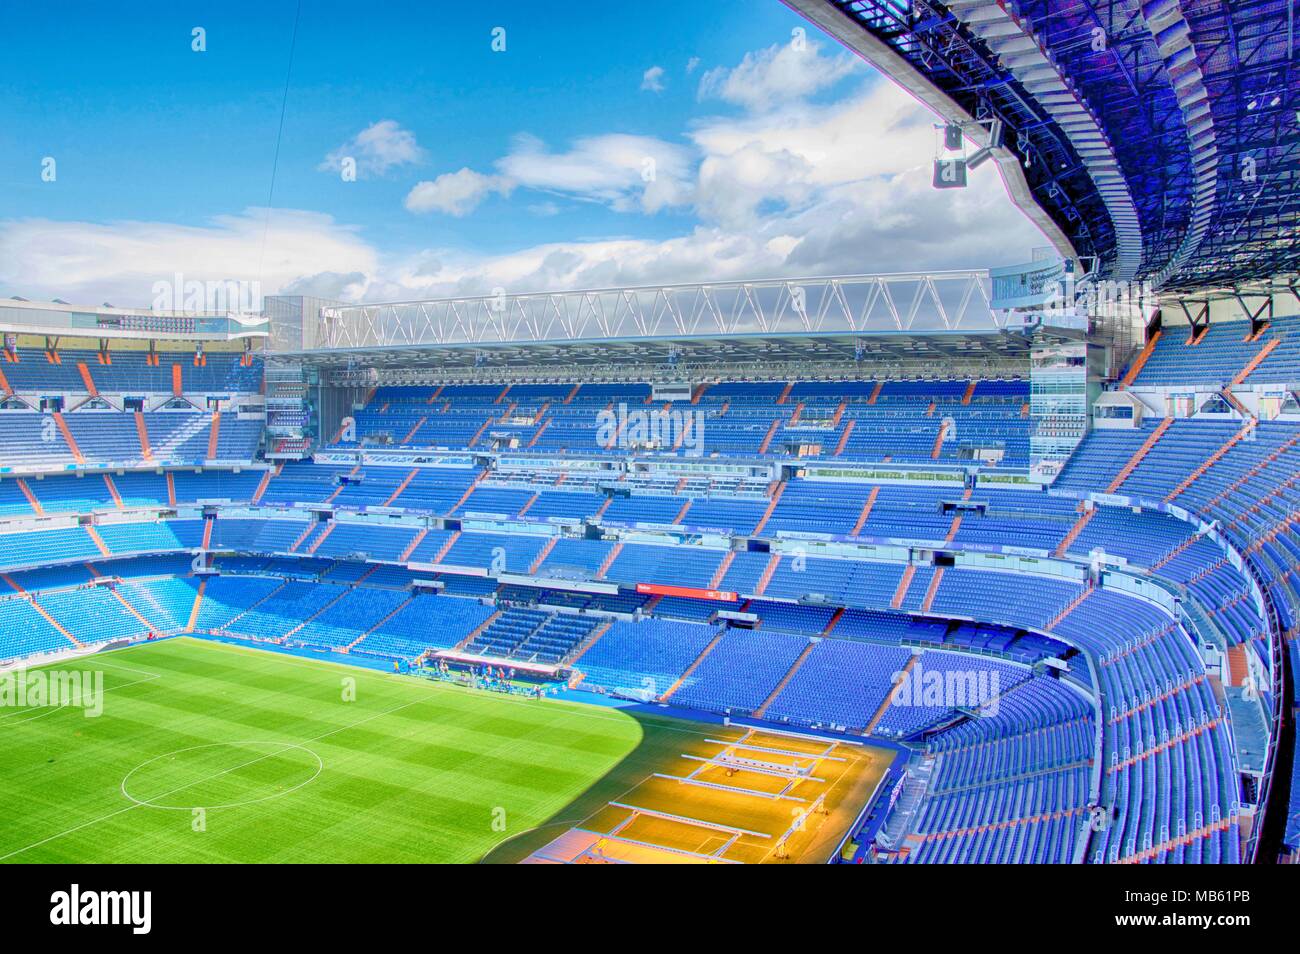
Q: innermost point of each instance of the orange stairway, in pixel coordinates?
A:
(67, 437)
(480, 628)
(938, 441)
(690, 670)
(52, 621)
(1212, 459)
(400, 606)
(932, 589)
(293, 548)
(609, 560)
(1141, 452)
(1073, 605)
(261, 486)
(761, 711)
(412, 432)
(315, 545)
(31, 498)
(1256, 361)
(96, 539)
(844, 438)
(590, 641)
(833, 621)
(406, 482)
(538, 433)
(769, 571)
(446, 547)
(970, 392)
(142, 432)
(469, 492)
(952, 529)
(112, 491)
(479, 433)
(900, 593)
(721, 572)
(198, 604)
(1075, 530)
(1136, 367)
(865, 512)
(214, 435)
(87, 380)
(415, 542)
(126, 604)
(771, 506)
(771, 432)
(1237, 670)
(541, 557)
(889, 698)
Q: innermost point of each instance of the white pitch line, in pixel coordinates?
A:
(133, 807)
(6, 719)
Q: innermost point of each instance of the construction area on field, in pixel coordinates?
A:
(739, 795)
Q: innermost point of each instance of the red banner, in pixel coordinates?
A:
(656, 589)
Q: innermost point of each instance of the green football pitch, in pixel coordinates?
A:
(208, 752)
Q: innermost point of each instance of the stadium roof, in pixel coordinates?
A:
(911, 302)
(696, 352)
(898, 319)
(1160, 137)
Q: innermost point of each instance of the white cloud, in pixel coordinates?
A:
(376, 149)
(788, 158)
(652, 80)
(691, 64)
(786, 188)
(120, 261)
(455, 193)
(622, 171)
(778, 74)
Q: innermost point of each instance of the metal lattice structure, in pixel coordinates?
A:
(933, 302)
(1160, 136)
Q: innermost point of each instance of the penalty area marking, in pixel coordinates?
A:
(9, 719)
(284, 747)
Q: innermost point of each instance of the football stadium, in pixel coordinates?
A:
(989, 565)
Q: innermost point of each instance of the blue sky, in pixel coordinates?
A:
(607, 144)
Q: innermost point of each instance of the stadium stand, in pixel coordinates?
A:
(1097, 698)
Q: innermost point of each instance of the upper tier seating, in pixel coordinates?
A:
(102, 437)
(1223, 353)
(222, 373)
(903, 422)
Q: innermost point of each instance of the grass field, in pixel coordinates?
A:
(207, 752)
